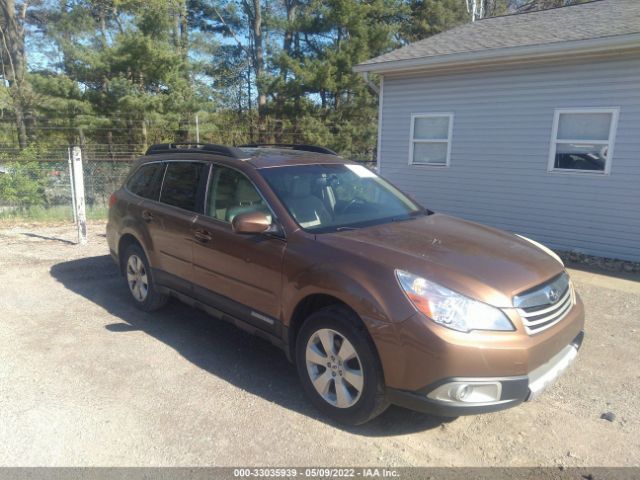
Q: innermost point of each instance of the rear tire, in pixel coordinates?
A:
(140, 280)
(339, 367)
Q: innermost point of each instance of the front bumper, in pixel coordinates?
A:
(513, 390)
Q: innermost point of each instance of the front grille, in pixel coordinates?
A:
(546, 305)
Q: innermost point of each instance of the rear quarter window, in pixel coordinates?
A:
(181, 184)
(146, 181)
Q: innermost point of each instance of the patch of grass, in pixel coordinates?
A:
(60, 213)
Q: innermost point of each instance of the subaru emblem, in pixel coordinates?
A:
(553, 295)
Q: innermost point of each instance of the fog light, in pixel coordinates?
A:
(462, 391)
(466, 392)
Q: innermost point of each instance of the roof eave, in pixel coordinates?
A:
(510, 54)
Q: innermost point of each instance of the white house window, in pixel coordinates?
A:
(582, 140)
(430, 138)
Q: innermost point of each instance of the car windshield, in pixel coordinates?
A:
(331, 197)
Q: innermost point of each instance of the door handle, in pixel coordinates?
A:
(147, 216)
(202, 235)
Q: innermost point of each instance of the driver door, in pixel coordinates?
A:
(238, 274)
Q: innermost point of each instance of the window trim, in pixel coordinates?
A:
(448, 140)
(610, 142)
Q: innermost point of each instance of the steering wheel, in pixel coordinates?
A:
(354, 201)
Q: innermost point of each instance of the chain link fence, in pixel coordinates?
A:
(38, 185)
(104, 172)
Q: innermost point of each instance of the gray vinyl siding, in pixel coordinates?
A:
(501, 135)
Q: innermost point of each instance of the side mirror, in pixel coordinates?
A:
(251, 222)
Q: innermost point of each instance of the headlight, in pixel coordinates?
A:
(449, 308)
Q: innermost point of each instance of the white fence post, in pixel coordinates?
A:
(73, 193)
(78, 191)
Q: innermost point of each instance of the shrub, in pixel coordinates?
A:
(22, 182)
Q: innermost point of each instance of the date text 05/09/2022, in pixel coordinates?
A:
(316, 472)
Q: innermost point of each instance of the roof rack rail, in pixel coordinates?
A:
(194, 147)
(292, 146)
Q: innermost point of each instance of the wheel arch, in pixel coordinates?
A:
(125, 241)
(310, 304)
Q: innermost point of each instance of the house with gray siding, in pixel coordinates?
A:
(527, 122)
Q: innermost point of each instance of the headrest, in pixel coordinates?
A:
(300, 187)
(245, 191)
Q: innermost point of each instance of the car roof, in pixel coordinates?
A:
(258, 157)
(272, 157)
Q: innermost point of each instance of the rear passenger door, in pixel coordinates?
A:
(238, 274)
(145, 183)
(181, 199)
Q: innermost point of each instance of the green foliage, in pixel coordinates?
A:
(429, 17)
(123, 74)
(22, 184)
(128, 73)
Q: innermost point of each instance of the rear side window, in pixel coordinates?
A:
(147, 180)
(181, 184)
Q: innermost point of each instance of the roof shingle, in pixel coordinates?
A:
(597, 19)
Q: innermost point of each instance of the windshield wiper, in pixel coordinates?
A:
(403, 218)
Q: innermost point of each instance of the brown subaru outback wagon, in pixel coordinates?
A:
(376, 299)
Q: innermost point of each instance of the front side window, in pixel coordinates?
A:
(181, 182)
(430, 139)
(582, 140)
(147, 180)
(232, 193)
(331, 197)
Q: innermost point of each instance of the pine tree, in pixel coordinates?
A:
(13, 58)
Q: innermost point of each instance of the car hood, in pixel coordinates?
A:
(481, 262)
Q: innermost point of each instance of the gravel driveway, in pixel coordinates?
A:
(86, 379)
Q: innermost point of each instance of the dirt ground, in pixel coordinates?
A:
(86, 379)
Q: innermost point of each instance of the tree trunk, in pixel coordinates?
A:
(102, 18)
(291, 7)
(21, 125)
(184, 32)
(258, 62)
(12, 32)
(182, 45)
(183, 130)
(249, 106)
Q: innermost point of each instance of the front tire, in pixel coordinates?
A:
(140, 280)
(339, 368)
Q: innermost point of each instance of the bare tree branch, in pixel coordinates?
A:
(231, 31)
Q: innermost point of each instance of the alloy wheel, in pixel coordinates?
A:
(334, 368)
(137, 278)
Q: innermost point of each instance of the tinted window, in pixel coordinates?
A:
(147, 180)
(180, 186)
(230, 194)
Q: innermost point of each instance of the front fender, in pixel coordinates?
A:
(369, 294)
(326, 281)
